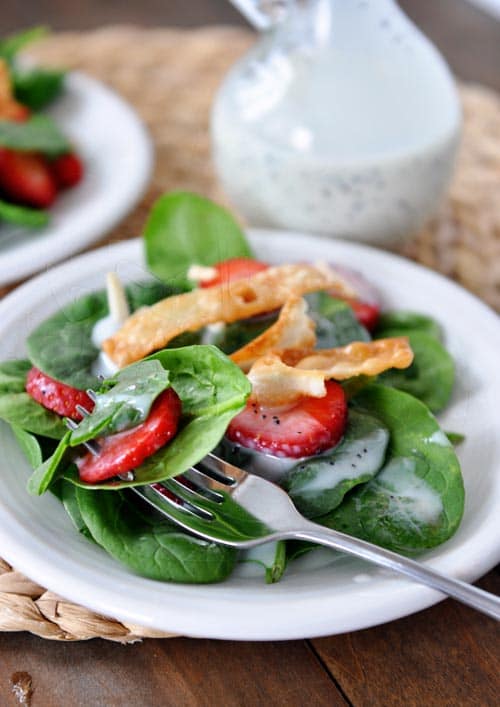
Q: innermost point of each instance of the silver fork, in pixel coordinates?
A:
(221, 502)
(202, 501)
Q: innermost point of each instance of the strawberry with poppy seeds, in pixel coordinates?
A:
(307, 427)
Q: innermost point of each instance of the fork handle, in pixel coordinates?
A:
(466, 593)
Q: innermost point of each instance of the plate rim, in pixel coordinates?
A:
(406, 597)
(23, 260)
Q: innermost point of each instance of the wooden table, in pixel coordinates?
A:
(446, 655)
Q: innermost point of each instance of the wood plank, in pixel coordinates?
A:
(168, 672)
(445, 655)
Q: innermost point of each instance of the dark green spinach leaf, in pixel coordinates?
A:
(336, 324)
(155, 549)
(212, 390)
(123, 401)
(10, 46)
(402, 322)
(62, 346)
(430, 377)
(36, 88)
(317, 485)
(185, 229)
(51, 469)
(416, 501)
(13, 375)
(23, 215)
(39, 134)
(29, 445)
(21, 410)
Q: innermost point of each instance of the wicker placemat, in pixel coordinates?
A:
(170, 77)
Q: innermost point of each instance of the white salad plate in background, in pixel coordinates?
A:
(118, 156)
(320, 595)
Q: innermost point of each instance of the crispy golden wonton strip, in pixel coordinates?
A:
(360, 358)
(151, 328)
(275, 383)
(294, 329)
(5, 89)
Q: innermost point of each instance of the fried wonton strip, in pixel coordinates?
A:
(294, 329)
(151, 328)
(276, 383)
(5, 86)
(360, 358)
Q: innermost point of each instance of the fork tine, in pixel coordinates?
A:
(170, 505)
(189, 496)
(91, 445)
(223, 471)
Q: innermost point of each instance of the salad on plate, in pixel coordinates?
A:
(37, 161)
(292, 370)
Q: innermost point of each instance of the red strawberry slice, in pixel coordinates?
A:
(366, 313)
(309, 427)
(15, 111)
(56, 396)
(26, 179)
(124, 451)
(234, 269)
(67, 170)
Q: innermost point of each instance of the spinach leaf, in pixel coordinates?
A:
(317, 485)
(29, 445)
(23, 215)
(430, 377)
(13, 375)
(271, 556)
(184, 229)
(10, 46)
(62, 346)
(416, 501)
(212, 390)
(66, 493)
(50, 470)
(401, 322)
(207, 382)
(154, 549)
(336, 324)
(125, 401)
(455, 437)
(147, 292)
(40, 133)
(21, 410)
(36, 88)
(234, 336)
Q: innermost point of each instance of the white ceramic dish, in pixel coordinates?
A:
(118, 157)
(329, 597)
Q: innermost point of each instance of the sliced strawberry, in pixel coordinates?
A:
(67, 170)
(234, 269)
(309, 427)
(26, 179)
(366, 313)
(124, 451)
(56, 396)
(15, 111)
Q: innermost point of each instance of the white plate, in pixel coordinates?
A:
(36, 536)
(118, 157)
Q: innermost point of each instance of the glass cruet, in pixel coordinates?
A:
(343, 119)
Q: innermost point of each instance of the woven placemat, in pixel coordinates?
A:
(170, 77)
